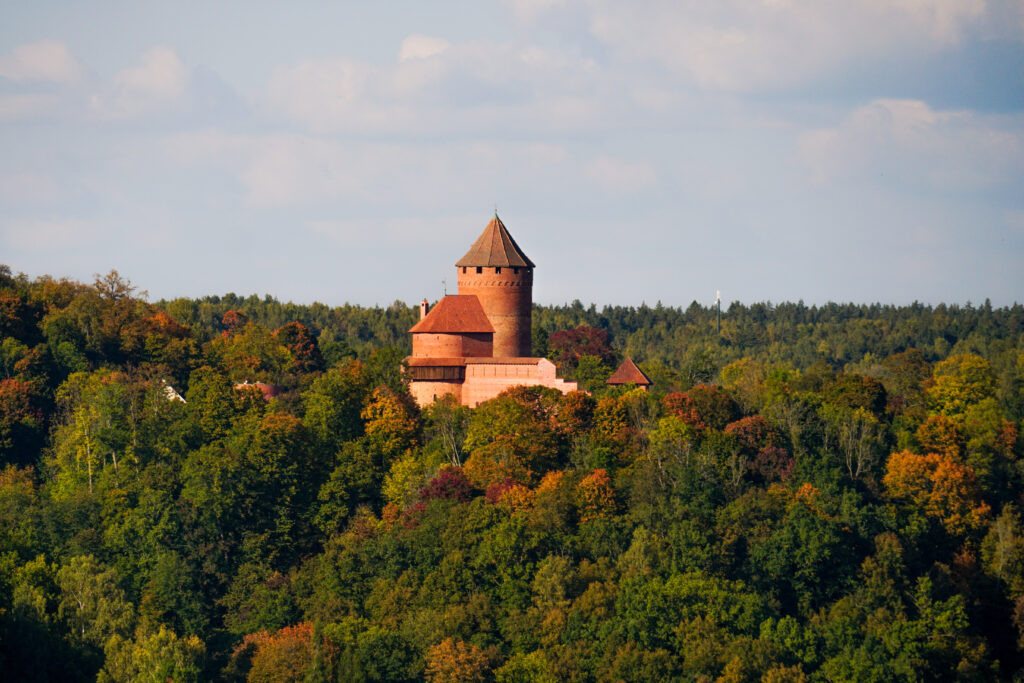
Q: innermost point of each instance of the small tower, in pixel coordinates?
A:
(629, 373)
(500, 275)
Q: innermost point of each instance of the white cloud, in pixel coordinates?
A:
(419, 46)
(286, 170)
(160, 75)
(47, 60)
(321, 93)
(160, 80)
(463, 88)
(47, 235)
(905, 141)
(18, 107)
(531, 9)
(742, 45)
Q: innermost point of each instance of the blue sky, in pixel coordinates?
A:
(775, 150)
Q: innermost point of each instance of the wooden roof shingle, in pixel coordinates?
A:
(495, 247)
(455, 314)
(629, 373)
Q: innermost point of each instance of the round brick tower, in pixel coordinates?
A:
(500, 275)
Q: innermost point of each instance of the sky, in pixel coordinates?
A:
(646, 151)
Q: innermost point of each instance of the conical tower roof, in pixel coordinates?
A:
(495, 247)
(629, 373)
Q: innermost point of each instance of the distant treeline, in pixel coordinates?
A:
(679, 347)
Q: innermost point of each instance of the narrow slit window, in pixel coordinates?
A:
(515, 270)
(463, 270)
(479, 270)
(497, 270)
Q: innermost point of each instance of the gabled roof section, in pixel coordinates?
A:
(455, 314)
(495, 247)
(629, 373)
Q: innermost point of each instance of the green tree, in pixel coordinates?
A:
(91, 603)
(158, 655)
(960, 382)
(333, 404)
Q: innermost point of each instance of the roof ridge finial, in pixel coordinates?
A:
(496, 210)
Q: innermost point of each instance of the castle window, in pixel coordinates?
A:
(479, 270)
(497, 269)
(516, 270)
(463, 270)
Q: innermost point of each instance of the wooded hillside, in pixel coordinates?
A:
(809, 493)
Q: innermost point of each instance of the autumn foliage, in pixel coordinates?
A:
(940, 486)
(595, 496)
(449, 484)
(456, 661)
(702, 407)
(568, 346)
(283, 655)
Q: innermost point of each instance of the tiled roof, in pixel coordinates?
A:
(629, 373)
(455, 314)
(269, 391)
(495, 247)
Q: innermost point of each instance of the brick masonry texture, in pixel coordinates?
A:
(508, 304)
(494, 361)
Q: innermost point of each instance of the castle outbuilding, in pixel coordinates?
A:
(630, 373)
(476, 344)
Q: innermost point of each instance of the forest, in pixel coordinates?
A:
(234, 488)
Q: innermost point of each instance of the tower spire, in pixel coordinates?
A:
(495, 247)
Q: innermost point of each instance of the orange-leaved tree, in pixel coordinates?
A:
(942, 487)
(456, 661)
(939, 434)
(282, 656)
(595, 496)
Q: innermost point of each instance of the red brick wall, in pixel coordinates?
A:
(507, 298)
(430, 345)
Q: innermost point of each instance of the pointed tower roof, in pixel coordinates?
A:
(495, 247)
(629, 373)
(455, 314)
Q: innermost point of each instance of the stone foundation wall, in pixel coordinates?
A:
(426, 392)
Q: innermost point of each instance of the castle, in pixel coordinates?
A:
(476, 344)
